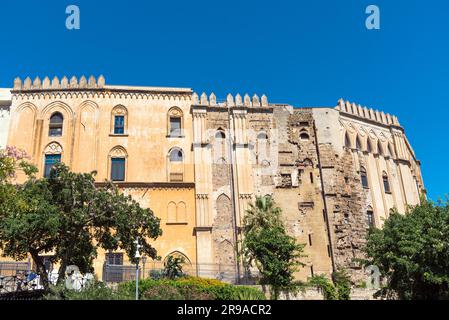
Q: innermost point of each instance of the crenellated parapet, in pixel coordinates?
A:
(365, 113)
(55, 84)
(231, 101)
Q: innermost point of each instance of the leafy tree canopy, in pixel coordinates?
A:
(412, 252)
(68, 217)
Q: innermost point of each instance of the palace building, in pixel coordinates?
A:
(198, 162)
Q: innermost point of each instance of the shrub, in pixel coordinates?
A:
(191, 288)
(95, 291)
(342, 283)
(337, 289)
(324, 284)
(162, 292)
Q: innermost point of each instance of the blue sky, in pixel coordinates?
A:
(306, 53)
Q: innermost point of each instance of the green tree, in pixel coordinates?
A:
(173, 267)
(68, 216)
(267, 245)
(412, 253)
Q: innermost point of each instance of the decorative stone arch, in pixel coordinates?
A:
(171, 212)
(87, 132)
(24, 119)
(53, 148)
(175, 165)
(26, 105)
(57, 106)
(67, 114)
(181, 212)
(119, 110)
(178, 253)
(175, 113)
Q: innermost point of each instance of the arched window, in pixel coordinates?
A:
(347, 141)
(119, 120)
(175, 122)
(56, 124)
(364, 178)
(175, 165)
(262, 147)
(380, 149)
(304, 136)
(219, 148)
(391, 150)
(53, 155)
(176, 155)
(118, 157)
(370, 218)
(386, 182)
(358, 144)
(370, 146)
(220, 135)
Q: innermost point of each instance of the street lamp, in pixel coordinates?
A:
(137, 256)
(144, 261)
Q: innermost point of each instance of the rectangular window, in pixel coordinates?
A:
(370, 218)
(113, 270)
(310, 240)
(114, 258)
(55, 131)
(364, 181)
(50, 161)
(119, 125)
(311, 177)
(118, 169)
(312, 273)
(175, 127)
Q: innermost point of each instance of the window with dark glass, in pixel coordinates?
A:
(118, 169)
(175, 127)
(50, 161)
(113, 270)
(364, 178)
(370, 218)
(119, 124)
(176, 156)
(113, 258)
(386, 183)
(56, 123)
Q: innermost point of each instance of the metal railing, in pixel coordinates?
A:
(10, 269)
(225, 273)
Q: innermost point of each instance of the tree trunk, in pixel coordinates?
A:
(61, 272)
(41, 270)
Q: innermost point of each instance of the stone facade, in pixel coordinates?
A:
(5, 105)
(310, 160)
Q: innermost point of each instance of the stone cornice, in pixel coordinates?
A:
(98, 93)
(150, 185)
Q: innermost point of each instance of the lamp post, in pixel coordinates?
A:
(144, 261)
(137, 256)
